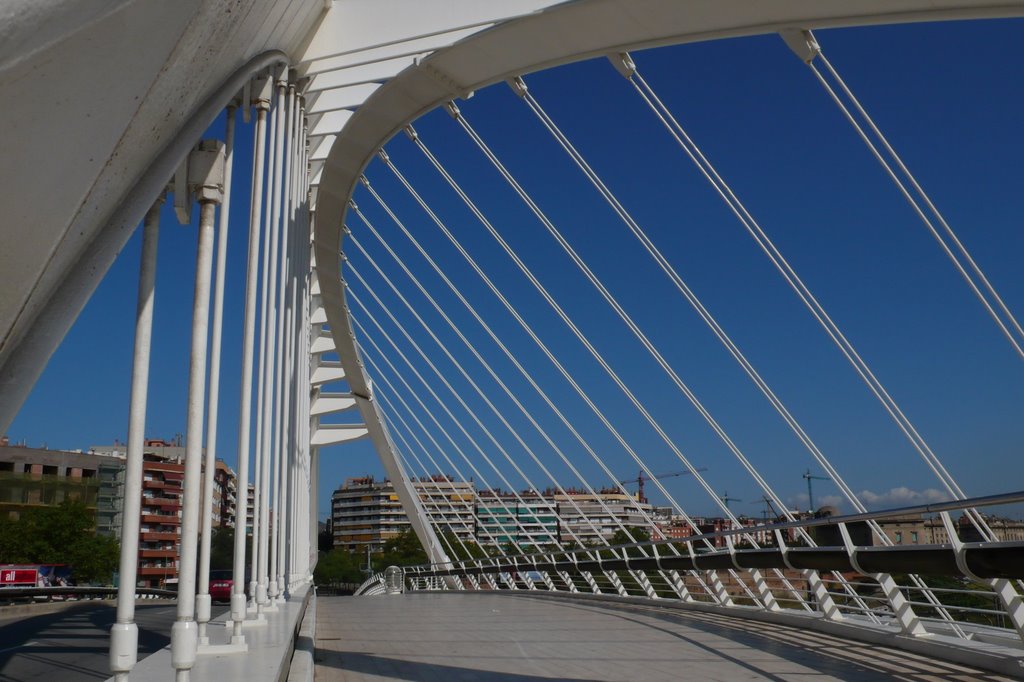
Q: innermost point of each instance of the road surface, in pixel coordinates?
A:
(72, 645)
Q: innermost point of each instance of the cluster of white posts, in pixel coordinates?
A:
(279, 277)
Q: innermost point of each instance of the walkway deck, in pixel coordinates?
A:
(467, 636)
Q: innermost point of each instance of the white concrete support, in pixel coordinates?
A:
(305, 552)
(296, 531)
(763, 592)
(826, 604)
(266, 86)
(267, 588)
(906, 619)
(678, 585)
(645, 584)
(238, 611)
(124, 635)
(616, 583)
(258, 530)
(206, 171)
(718, 590)
(281, 439)
(570, 585)
(203, 601)
(816, 586)
(594, 587)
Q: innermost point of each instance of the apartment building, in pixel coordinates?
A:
(525, 520)
(593, 518)
(38, 477)
(366, 512)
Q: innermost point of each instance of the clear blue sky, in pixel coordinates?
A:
(947, 96)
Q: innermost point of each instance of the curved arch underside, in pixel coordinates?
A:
(561, 34)
(558, 35)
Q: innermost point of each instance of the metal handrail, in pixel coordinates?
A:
(931, 508)
(72, 590)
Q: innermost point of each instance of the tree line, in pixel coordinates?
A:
(63, 534)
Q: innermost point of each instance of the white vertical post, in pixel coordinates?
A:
(124, 635)
(184, 632)
(267, 586)
(267, 94)
(245, 399)
(281, 391)
(203, 590)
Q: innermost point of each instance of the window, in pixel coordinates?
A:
(913, 536)
(899, 537)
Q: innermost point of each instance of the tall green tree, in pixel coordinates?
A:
(222, 549)
(404, 549)
(64, 534)
(460, 551)
(338, 566)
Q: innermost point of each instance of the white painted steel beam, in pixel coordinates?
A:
(340, 98)
(323, 343)
(335, 434)
(332, 403)
(326, 372)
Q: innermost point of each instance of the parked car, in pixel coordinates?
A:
(221, 583)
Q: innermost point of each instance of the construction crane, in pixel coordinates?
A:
(640, 479)
(769, 508)
(810, 494)
(724, 497)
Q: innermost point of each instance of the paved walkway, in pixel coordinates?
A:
(487, 637)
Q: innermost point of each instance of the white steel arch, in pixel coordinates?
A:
(366, 70)
(557, 35)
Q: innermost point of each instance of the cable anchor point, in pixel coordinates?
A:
(452, 109)
(802, 42)
(518, 85)
(623, 63)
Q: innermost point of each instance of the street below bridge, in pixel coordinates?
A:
(448, 636)
(72, 644)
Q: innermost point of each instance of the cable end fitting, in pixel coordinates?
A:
(623, 63)
(383, 157)
(452, 109)
(518, 85)
(281, 75)
(802, 43)
(352, 205)
(261, 93)
(411, 133)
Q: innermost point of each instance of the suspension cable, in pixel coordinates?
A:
(803, 293)
(445, 382)
(565, 318)
(1010, 320)
(379, 374)
(497, 379)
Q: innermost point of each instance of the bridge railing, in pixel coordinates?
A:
(68, 592)
(373, 585)
(971, 593)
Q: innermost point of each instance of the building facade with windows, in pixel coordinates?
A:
(592, 519)
(31, 478)
(527, 520)
(160, 517)
(225, 496)
(367, 513)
